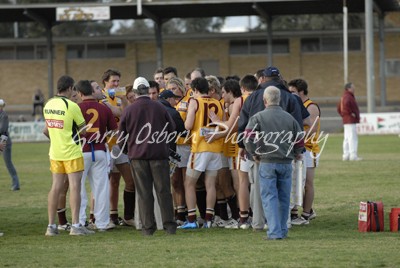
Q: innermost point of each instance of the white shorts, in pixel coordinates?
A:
(311, 160)
(243, 164)
(117, 158)
(205, 161)
(184, 152)
(224, 161)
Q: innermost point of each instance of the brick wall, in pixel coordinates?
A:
(323, 71)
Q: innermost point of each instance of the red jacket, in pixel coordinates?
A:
(348, 108)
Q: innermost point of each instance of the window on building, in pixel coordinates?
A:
(41, 52)
(392, 67)
(238, 47)
(95, 51)
(210, 66)
(329, 44)
(25, 53)
(146, 69)
(354, 43)
(76, 51)
(310, 45)
(257, 46)
(280, 46)
(7, 53)
(115, 50)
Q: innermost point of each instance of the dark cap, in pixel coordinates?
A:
(167, 94)
(271, 71)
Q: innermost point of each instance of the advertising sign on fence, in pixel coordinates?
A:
(27, 131)
(379, 123)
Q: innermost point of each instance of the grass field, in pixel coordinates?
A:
(331, 240)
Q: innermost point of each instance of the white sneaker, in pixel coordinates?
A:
(300, 221)
(50, 231)
(355, 158)
(231, 224)
(345, 158)
(108, 227)
(64, 227)
(244, 226)
(130, 222)
(313, 215)
(218, 222)
(81, 230)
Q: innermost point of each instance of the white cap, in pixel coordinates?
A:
(2, 103)
(140, 81)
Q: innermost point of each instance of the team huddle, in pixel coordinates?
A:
(198, 152)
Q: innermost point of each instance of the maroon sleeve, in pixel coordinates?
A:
(111, 122)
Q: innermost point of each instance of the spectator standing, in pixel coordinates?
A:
(38, 103)
(149, 160)
(348, 110)
(5, 147)
(275, 159)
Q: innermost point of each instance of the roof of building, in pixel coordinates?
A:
(164, 10)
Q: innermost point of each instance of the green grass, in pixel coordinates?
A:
(331, 240)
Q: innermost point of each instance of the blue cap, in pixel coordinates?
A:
(271, 71)
(167, 94)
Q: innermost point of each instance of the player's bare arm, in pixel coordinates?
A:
(191, 114)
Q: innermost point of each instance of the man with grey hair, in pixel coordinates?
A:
(146, 125)
(272, 138)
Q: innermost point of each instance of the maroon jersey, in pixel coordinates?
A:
(99, 119)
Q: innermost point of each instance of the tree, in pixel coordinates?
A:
(313, 22)
(135, 27)
(87, 28)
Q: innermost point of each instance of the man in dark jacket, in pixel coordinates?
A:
(348, 110)
(254, 104)
(169, 100)
(147, 127)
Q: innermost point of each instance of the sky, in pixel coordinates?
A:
(239, 24)
(232, 24)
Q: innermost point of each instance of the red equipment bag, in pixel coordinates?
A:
(370, 217)
(394, 217)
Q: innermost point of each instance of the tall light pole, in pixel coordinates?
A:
(345, 44)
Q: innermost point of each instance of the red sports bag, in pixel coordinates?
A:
(370, 217)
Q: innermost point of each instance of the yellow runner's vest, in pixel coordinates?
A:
(63, 119)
